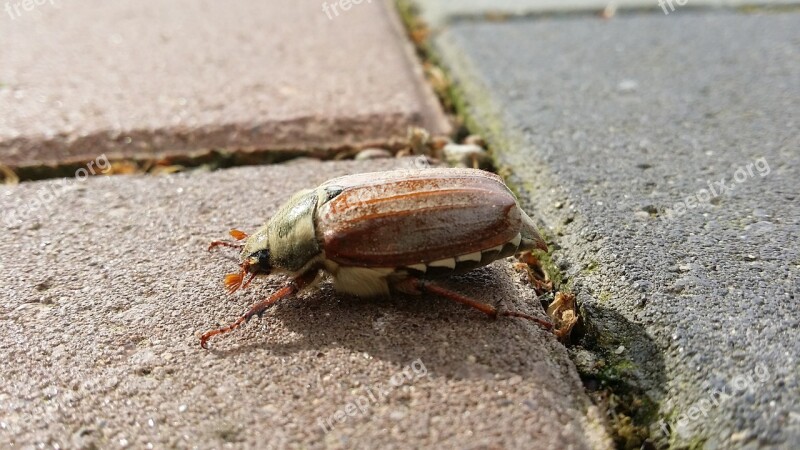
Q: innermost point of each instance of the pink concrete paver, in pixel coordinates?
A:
(108, 285)
(148, 78)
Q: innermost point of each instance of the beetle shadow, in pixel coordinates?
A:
(618, 358)
(631, 356)
(452, 340)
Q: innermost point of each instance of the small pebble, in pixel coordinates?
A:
(474, 139)
(373, 153)
(627, 86)
(465, 155)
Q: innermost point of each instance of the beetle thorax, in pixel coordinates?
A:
(289, 235)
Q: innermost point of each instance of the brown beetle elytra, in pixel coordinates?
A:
(377, 232)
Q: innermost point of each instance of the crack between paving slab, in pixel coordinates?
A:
(208, 160)
(217, 146)
(177, 154)
(629, 401)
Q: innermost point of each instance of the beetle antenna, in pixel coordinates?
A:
(236, 234)
(233, 281)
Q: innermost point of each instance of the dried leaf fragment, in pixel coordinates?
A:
(564, 313)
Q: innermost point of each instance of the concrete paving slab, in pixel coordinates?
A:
(108, 285)
(438, 12)
(148, 79)
(663, 154)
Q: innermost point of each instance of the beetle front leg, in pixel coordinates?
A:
(294, 286)
(417, 286)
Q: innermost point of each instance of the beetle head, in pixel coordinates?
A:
(257, 262)
(253, 263)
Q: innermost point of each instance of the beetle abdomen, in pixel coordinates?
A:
(410, 217)
(464, 263)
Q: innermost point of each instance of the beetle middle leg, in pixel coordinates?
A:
(417, 286)
(294, 286)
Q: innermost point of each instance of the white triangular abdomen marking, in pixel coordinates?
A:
(469, 257)
(419, 267)
(449, 263)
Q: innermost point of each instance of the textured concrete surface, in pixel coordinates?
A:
(133, 78)
(606, 126)
(107, 286)
(438, 12)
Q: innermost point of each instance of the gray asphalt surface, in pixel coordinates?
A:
(604, 126)
(107, 286)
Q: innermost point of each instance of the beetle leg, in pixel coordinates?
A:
(537, 276)
(417, 286)
(294, 286)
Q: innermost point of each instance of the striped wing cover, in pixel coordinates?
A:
(404, 217)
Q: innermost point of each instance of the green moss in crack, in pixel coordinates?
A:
(609, 378)
(697, 443)
(550, 267)
(768, 9)
(454, 97)
(630, 410)
(591, 267)
(418, 34)
(694, 443)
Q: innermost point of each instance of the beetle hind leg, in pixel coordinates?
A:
(417, 286)
(537, 276)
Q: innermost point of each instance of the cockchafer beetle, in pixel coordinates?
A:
(377, 232)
